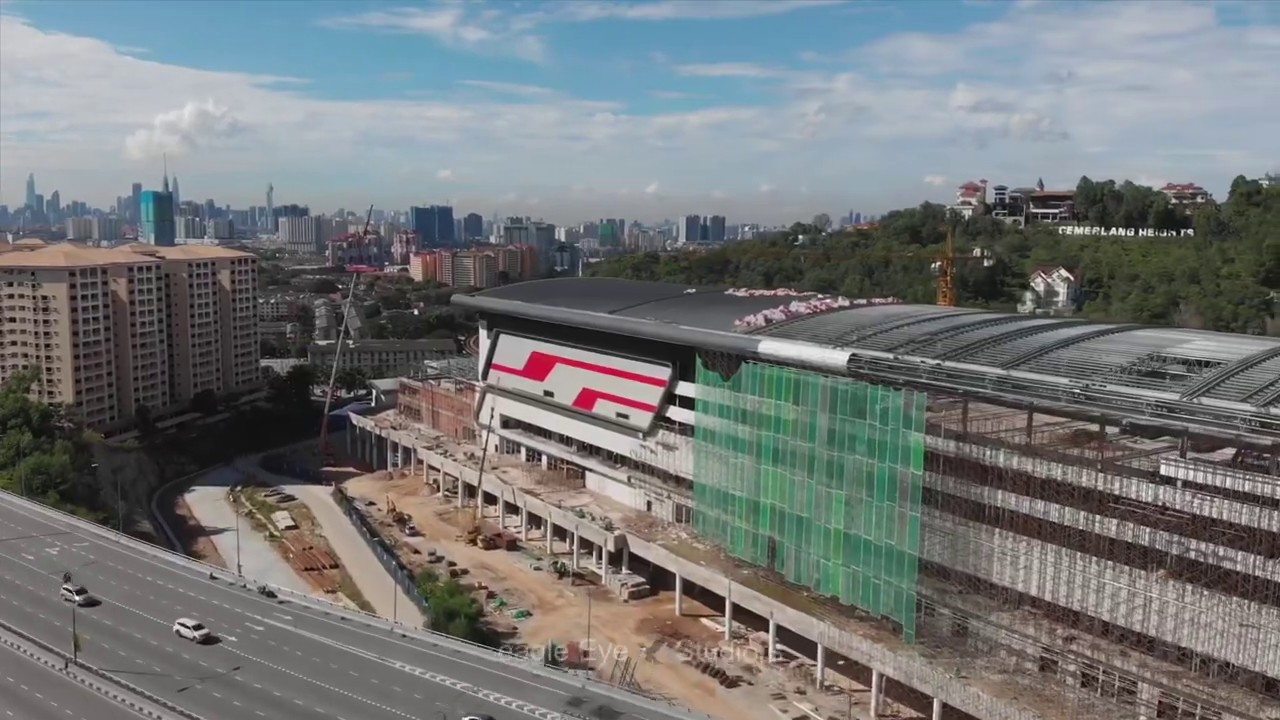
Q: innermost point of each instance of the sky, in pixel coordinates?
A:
(762, 111)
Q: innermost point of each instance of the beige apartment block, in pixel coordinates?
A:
(111, 329)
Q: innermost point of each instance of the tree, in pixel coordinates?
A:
(323, 286)
(452, 610)
(352, 380)
(204, 402)
(1225, 277)
(42, 454)
(144, 422)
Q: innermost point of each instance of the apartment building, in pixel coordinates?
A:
(111, 329)
(382, 357)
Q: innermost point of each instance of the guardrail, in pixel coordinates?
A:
(69, 662)
(394, 566)
(441, 641)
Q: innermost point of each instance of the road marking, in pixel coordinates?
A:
(321, 615)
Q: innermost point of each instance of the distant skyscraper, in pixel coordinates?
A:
(689, 230)
(715, 229)
(177, 197)
(434, 226)
(134, 213)
(156, 223)
(473, 227)
(271, 207)
(31, 191)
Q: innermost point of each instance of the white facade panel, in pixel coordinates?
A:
(621, 390)
(629, 495)
(664, 449)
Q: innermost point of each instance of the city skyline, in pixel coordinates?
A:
(646, 110)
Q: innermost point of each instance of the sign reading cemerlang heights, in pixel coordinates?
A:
(1092, 230)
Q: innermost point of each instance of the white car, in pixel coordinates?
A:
(192, 630)
(477, 717)
(76, 594)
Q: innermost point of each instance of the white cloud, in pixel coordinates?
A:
(675, 95)
(1133, 90)
(586, 10)
(935, 180)
(178, 132)
(766, 188)
(651, 189)
(477, 28)
(509, 88)
(454, 26)
(728, 70)
(446, 174)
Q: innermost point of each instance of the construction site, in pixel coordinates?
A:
(869, 549)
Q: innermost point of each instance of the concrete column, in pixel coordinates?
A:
(577, 547)
(524, 524)
(350, 431)
(390, 451)
(821, 675)
(773, 638)
(462, 487)
(550, 529)
(728, 612)
(626, 558)
(877, 688)
(425, 469)
(937, 709)
(679, 594)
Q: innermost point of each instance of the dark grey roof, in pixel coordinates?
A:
(1153, 362)
(699, 307)
(425, 345)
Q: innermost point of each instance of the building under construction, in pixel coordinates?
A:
(993, 515)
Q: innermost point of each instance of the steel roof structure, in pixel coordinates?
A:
(1200, 380)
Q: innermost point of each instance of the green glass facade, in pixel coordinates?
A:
(817, 478)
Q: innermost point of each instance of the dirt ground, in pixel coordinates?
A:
(195, 540)
(560, 609)
(306, 550)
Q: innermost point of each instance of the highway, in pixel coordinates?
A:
(278, 660)
(31, 691)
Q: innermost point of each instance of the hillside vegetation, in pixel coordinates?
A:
(1223, 276)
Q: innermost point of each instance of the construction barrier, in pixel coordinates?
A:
(398, 571)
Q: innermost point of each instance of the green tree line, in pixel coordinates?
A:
(1224, 276)
(43, 455)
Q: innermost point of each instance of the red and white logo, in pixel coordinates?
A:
(619, 389)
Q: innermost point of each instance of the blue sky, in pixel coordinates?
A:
(767, 111)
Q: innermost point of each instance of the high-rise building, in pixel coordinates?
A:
(715, 229)
(134, 213)
(31, 191)
(108, 228)
(434, 225)
(189, 228)
(271, 207)
(473, 227)
(156, 221)
(177, 196)
(79, 228)
(689, 230)
(129, 326)
(538, 235)
(468, 268)
(302, 235)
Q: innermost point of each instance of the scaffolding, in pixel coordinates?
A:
(1087, 570)
(816, 478)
